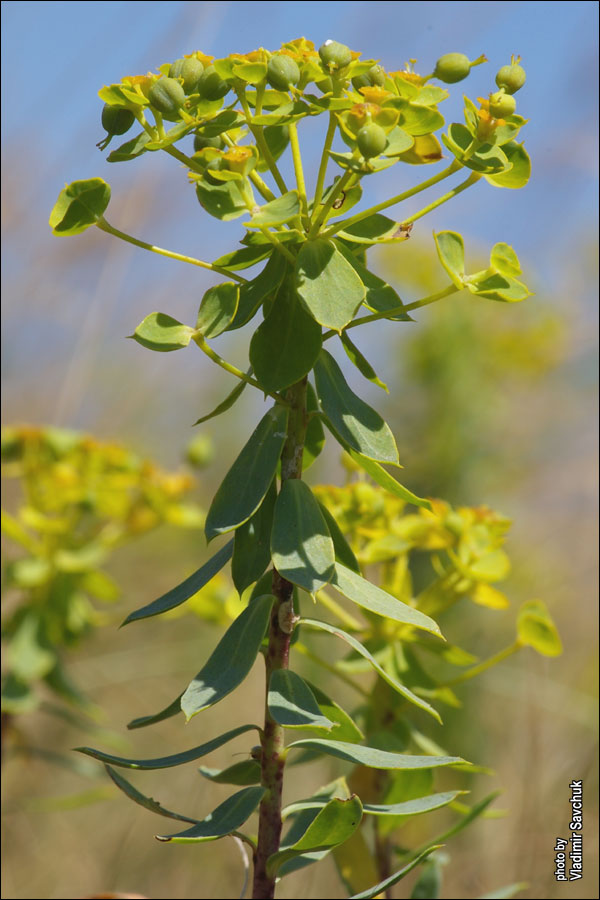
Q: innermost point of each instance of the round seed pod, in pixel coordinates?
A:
(189, 69)
(335, 55)
(167, 96)
(511, 78)
(282, 71)
(452, 67)
(371, 140)
(375, 77)
(116, 120)
(502, 105)
(211, 86)
(200, 142)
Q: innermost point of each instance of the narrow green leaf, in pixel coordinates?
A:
(173, 709)
(248, 480)
(241, 773)
(278, 212)
(167, 762)
(412, 807)
(291, 702)
(374, 758)
(254, 293)
(360, 649)
(451, 251)
(225, 404)
(218, 308)
(344, 727)
(161, 332)
(520, 168)
(178, 595)
(252, 544)
(141, 799)
(301, 547)
(387, 883)
(286, 345)
(231, 660)
(244, 257)
(362, 364)
(336, 822)
(373, 598)
(352, 420)
(536, 629)
(224, 201)
(343, 551)
(315, 435)
(327, 284)
(385, 480)
(130, 149)
(376, 229)
(505, 893)
(303, 815)
(79, 205)
(227, 817)
(379, 296)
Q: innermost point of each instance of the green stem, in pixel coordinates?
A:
(486, 664)
(262, 144)
(277, 657)
(186, 160)
(200, 340)
(326, 208)
(297, 157)
(103, 225)
(278, 245)
(324, 161)
(472, 179)
(435, 179)
(397, 310)
(254, 177)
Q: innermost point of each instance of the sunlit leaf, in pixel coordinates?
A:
(218, 308)
(79, 205)
(362, 364)
(451, 251)
(327, 284)
(536, 629)
(301, 547)
(278, 212)
(379, 889)
(225, 404)
(161, 332)
(518, 175)
(374, 758)
(291, 702)
(227, 817)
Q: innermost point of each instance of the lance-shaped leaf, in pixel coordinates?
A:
(241, 773)
(178, 595)
(518, 174)
(374, 758)
(225, 819)
(344, 727)
(379, 889)
(360, 649)
(130, 149)
(361, 362)
(163, 333)
(451, 251)
(252, 544)
(291, 702)
(353, 422)
(379, 295)
(232, 659)
(332, 826)
(79, 205)
(217, 309)
(387, 481)
(373, 598)
(315, 435)
(285, 346)
(225, 404)
(327, 284)
(254, 293)
(167, 762)
(536, 629)
(248, 480)
(343, 551)
(303, 814)
(173, 709)
(412, 807)
(278, 212)
(141, 799)
(301, 547)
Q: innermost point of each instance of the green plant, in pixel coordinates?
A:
(314, 282)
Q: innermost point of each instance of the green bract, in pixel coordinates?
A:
(511, 78)
(299, 278)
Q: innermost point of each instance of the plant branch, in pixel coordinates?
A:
(299, 171)
(262, 144)
(472, 179)
(324, 160)
(483, 666)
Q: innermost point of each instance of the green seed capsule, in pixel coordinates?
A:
(335, 55)
(282, 71)
(502, 105)
(211, 86)
(166, 95)
(190, 70)
(371, 140)
(511, 78)
(452, 67)
(375, 77)
(116, 120)
(325, 85)
(200, 142)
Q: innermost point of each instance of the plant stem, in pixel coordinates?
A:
(335, 193)
(233, 370)
(472, 179)
(262, 144)
(278, 245)
(486, 664)
(324, 160)
(276, 657)
(297, 157)
(340, 226)
(254, 177)
(103, 225)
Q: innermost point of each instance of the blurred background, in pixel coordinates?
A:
(491, 404)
